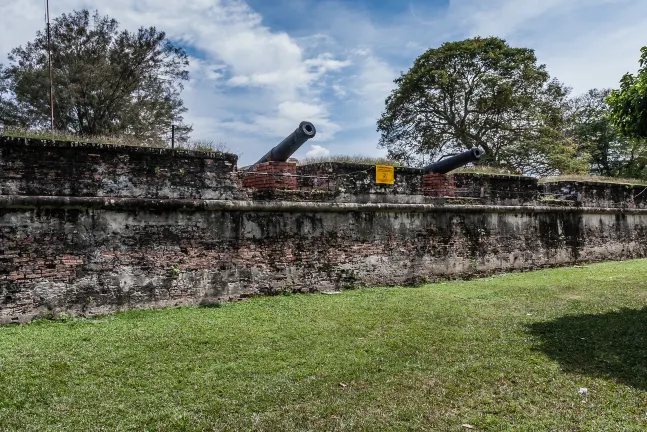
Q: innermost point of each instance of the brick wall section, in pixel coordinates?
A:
(588, 193)
(358, 179)
(439, 185)
(24, 269)
(352, 182)
(101, 260)
(497, 189)
(89, 229)
(272, 175)
(57, 168)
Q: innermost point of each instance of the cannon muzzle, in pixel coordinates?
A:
(290, 144)
(451, 163)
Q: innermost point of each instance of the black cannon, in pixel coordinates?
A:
(290, 144)
(451, 163)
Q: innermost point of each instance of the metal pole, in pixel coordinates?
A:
(51, 76)
(172, 136)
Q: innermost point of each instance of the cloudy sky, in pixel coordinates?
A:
(259, 67)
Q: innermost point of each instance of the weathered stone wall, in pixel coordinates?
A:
(497, 189)
(90, 256)
(69, 244)
(352, 182)
(57, 168)
(590, 193)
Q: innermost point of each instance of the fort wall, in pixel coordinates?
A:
(89, 229)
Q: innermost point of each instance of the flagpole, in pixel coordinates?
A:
(51, 76)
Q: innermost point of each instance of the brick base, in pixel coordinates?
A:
(272, 175)
(438, 185)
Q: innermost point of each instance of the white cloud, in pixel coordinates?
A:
(20, 22)
(288, 115)
(502, 17)
(275, 82)
(581, 67)
(200, 70)
(361, 52)
(584, 43)
(317, 151)
(339, 90)
(366, 90)
(308, 71)
(375, 80)
(252, 84)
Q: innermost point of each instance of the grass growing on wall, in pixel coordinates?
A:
(48, 135)
(509, 352)
(356, 159)
(485, 169)
(597, 179)
(205, 145)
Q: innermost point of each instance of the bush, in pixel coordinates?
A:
(358, 159)
(206, 145)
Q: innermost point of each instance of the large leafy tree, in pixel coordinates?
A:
(480, 92)
(106, 81)
(612, 153)
(629, 103)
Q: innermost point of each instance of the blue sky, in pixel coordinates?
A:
(259, 67)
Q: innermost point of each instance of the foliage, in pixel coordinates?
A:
(485, 169)
(493, 353)
(106, 81)
(57, 135)
(595, 178)
(127, 140)
(206, 145)
(480, 92)
(356, 159)
(612, 154)
(629, 103)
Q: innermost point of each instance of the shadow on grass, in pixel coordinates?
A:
(611, 345)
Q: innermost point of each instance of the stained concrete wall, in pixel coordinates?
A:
(60, 168)
(591, 193)
(121, 255)
(66, 248)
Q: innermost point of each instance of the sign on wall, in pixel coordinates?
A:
(384, 174)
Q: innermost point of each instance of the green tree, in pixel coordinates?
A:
(106, 81)
(629, 103)
(480, 92)
(612, 153)
(9, 110)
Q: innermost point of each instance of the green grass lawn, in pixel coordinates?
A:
(503, 353)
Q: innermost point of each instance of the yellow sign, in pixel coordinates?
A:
(384, 174)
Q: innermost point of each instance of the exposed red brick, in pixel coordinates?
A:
(272, 175)
(438, 185)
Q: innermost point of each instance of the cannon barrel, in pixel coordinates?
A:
(290, 144)
(451, 163)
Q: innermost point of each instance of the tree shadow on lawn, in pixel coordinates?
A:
(611, 345)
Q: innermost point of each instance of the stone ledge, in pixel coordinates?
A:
(82, 203)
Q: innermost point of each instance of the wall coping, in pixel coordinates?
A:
(86, 203)
(592, 182)
(10, 141)
(495, 176)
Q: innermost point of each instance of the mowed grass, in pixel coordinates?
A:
(503, 353)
